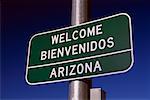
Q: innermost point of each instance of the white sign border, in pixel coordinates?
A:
(118, 72)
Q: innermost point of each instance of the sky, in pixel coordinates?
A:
(20, 20)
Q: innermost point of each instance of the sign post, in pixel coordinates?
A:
(80, 89)
(80, 52)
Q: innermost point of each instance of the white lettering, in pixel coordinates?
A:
(72, 67)
(55, 39)
(43, 55)
(61, 71)
(53, 73)
(80, 68)
(110, 42)
(74, 36)
(97, 66)
(99, 29)
(62, 38)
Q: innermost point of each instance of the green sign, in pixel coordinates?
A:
(96, 48)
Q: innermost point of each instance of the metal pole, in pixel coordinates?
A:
(79, 89)
(80, 10)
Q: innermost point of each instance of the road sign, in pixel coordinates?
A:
(96, 48)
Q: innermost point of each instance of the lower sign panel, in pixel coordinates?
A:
(117, 58)
(84, 69)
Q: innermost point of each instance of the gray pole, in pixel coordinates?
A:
(79, 89)
(79, 11)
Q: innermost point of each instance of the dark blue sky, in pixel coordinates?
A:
(22, 19)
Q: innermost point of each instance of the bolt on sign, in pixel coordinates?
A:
(96, 48)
